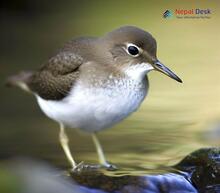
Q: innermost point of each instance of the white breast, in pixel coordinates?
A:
(97, 108)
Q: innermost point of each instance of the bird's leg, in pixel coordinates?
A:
(64, 143)
(100, 152)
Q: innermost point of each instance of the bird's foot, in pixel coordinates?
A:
(81, 167)
(78, 167)
(109, 167)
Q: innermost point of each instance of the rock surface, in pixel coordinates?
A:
(197, 172)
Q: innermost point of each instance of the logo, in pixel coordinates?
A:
(167, 14)
(188, 13)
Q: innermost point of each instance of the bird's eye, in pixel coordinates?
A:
(133, 50)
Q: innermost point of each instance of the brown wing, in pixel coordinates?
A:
(55, 79)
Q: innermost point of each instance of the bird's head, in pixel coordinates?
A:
(134, 50)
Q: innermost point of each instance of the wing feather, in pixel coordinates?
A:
(55, 78)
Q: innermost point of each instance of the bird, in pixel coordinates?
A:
(93, 83)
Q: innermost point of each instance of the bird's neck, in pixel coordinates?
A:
(137, 72)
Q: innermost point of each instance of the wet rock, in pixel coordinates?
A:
(197, 172)
(203, 168)
(37, 177)
(97, 181)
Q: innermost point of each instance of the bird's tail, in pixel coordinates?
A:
(20, 80)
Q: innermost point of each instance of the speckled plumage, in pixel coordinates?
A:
(99, 107)
(93, 83)
(98, 56)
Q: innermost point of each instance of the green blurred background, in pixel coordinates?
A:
(174, 120)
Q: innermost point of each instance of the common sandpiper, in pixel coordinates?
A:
(93, 83)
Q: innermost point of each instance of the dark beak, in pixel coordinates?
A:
(162, 68)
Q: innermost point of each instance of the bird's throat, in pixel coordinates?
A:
(138, 71)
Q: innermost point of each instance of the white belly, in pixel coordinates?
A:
(94, 109)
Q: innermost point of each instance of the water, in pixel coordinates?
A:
(174, 120)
